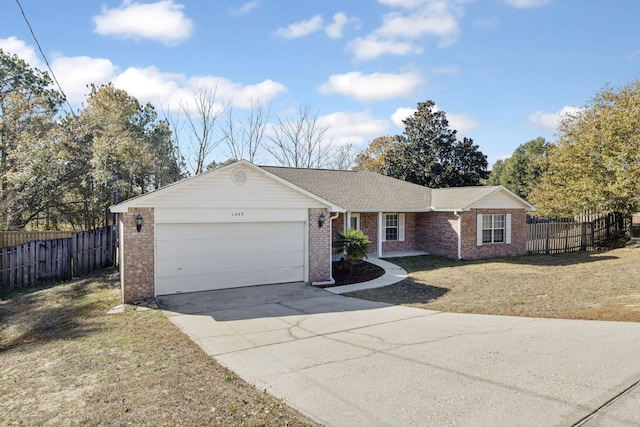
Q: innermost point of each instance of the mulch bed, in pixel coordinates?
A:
(361, 272)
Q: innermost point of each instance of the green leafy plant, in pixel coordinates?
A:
(353, 244)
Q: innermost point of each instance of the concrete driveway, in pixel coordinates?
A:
(349, 362)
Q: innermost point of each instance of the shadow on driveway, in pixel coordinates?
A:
(278, 300)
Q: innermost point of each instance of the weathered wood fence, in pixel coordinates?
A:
(13, 238)
(56, 260)
(582, 233)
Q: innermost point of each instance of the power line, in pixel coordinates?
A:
(44, 56)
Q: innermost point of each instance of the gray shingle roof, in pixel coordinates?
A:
(459, 197)
(357, 190)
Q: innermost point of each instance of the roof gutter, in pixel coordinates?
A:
(331, 280)
(454, 210)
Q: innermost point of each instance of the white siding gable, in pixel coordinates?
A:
(498, 200)
(224, 190)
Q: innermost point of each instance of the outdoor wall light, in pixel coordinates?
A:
(321, 220)
(139, 222)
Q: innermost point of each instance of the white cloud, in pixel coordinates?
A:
(334, 30)
(527, 4)
(15, 46)
(372, 47)
(148, 84)
(163, 21)
(75, 73)
(437, 21)
(400, 114)
(151, 85)
(550, 121)
(463, 123)
(301, 28)
(352, 128)
(169, 90)
(372, 87)
(403, 30)
(408, 4)
(242, 95)
(245, 8)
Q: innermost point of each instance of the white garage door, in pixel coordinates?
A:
(198, 257)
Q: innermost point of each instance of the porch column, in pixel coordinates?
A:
(379, 234)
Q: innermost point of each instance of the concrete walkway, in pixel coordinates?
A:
(392, 275)
(349, 362)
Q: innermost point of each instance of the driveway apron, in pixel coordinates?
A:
(348, 362)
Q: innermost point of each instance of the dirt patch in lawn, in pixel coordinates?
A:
(65, 361)
(580, 285)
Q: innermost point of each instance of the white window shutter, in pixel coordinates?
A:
(401, 227)
(479, 230)
(383, 227)
(507, 230)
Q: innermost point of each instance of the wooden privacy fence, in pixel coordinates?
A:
(13, 238)
(582, 233)
(56, 260)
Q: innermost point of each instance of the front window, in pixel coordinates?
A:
(391, 227)
(493, 228)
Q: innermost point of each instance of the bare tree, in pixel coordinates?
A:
(299, 141)
(344, 157)
(200, 119)
(243, 138)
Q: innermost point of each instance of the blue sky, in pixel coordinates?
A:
(502, 70)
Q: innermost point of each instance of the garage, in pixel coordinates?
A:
(234, 226)
(194, 257)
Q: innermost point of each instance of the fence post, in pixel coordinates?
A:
(548, 227)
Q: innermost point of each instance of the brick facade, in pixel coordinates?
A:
(439, 233)
(432, 232)
(319, 247)
(137, 255)
(517, 247)
(409, 243)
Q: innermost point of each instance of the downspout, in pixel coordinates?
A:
(379, 249)
(331, 280)
(455, 213)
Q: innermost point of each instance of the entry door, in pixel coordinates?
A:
(354, 221)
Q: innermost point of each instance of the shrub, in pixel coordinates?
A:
(353, 244)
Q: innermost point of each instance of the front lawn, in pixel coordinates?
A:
(580, 285)
(65, 361)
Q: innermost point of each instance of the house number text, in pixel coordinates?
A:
(237, 214)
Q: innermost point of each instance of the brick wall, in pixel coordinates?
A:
(369, 227)
(409, 243)
(517, 247)
(137, 255)
(438, 233)
(319, 247)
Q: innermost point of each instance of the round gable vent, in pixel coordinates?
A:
(239, 176)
